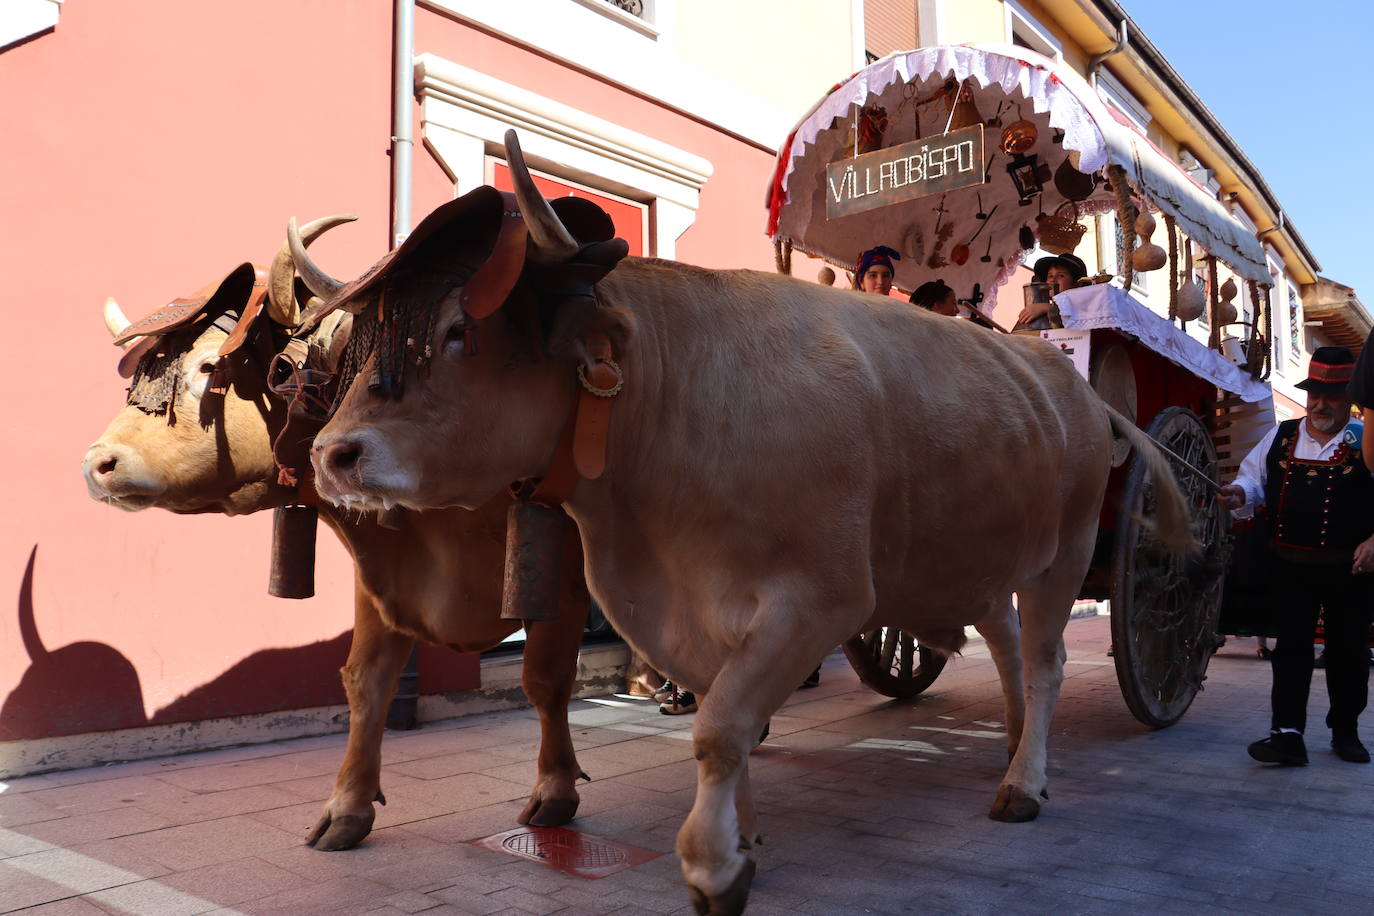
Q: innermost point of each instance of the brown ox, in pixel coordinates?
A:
(786, 465)
(435, 575)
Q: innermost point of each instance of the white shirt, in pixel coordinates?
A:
(1254, 470)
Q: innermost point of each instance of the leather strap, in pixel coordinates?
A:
(600, 385)
(251, 310)
(581, 452)
(488, 288)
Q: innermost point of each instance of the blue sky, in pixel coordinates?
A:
(1291, 82)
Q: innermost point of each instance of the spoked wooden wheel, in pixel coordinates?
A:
(1165, 608)
(893, 663)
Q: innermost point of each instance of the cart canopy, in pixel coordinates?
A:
(916, 92)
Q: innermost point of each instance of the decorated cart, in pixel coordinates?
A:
(972, 160)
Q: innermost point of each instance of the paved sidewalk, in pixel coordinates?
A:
(866, 805)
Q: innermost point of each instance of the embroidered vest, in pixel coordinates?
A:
(1320, 509)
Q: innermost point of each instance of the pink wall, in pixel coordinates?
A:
(148, 147)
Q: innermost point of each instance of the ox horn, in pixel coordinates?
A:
(115, 322)
(551, 241)
(281, 280)
(316, 280)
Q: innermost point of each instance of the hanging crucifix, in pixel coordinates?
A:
(942, 234)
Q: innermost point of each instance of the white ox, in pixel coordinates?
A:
(787, 465)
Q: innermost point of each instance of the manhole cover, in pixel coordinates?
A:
(568, 851)
(576, 851)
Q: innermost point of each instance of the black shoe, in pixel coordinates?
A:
(1320, 660)
(680, 703)
(1286, 748)
(812, 679)
(1349, 748)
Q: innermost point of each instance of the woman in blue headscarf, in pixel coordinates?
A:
(873, 273)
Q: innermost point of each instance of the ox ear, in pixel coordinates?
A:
(573, 294)
(584, 219)
(575, 307)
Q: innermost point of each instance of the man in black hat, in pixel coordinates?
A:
(1061, 272)
(1309, 476)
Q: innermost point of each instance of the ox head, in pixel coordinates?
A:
(466, 347)
(197, 432)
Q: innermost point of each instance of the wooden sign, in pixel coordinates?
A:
(917, 169)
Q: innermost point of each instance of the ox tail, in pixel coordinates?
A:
(1172, 523)
(28, 628)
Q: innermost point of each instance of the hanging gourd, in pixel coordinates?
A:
(1226, 309)
(1148, 255)
(1191, 299)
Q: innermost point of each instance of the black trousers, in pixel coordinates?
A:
(1302, 591)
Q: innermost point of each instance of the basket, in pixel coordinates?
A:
(1057, 233)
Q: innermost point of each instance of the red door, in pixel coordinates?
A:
(630, 218)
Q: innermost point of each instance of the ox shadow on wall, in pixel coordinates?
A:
(90, 687)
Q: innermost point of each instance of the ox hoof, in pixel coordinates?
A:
(731, 901)
(343, 832)
(1014, 806)
(549, 812)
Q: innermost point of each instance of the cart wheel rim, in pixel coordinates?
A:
(1165, 608)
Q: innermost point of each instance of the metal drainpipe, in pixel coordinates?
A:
(1277, 227)
(402, 101)
(402, 714)
(1122, 36)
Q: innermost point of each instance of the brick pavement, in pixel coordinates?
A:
(867, 806)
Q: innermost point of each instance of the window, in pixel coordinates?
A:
(1204, 176)
(1115, 94)
(1110, 241)
(1107, 240)
(630, 217)
(1025, 32)
(1277, 337)
(634, 14)
(1200, 278)
(1294, 326)
(467, 112)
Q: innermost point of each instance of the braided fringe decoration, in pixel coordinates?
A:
(1254, 344)
(1125, 217)
(782, 255)
(1172, 229)
(1213, 301)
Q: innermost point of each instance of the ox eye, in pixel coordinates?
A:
(454, 337)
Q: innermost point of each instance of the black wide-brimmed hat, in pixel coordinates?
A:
(1329, 371)
(1071, 263)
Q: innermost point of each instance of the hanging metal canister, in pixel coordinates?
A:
(534, 552)
(293, 552)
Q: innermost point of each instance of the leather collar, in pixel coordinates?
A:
(581, 451)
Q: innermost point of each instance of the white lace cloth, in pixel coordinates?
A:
(1104, 306)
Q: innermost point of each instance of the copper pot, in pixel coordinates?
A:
(1018, 137)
